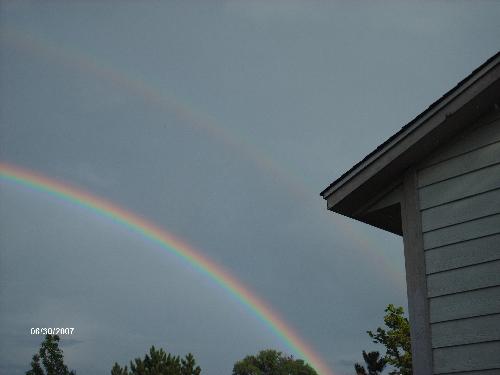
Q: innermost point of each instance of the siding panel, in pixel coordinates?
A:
(459, 193)
(480, 136)
(460, 187)
(462, 210)
(471, 161)
(463, 254)
(466, 358)
(464, 279)
(465, 305)
(466, 331)
(462, 232)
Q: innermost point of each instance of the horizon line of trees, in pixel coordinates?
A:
(395, 337)
(49, 360)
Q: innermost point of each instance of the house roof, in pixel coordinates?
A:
(471, 98)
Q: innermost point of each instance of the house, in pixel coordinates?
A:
(436, 183)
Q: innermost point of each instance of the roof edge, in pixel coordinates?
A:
(414, 124)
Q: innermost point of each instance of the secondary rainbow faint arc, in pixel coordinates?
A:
(152, 95)
(176, 246)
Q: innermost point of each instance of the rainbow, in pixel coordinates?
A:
(163, 101)
(104, 208)
(73, 58)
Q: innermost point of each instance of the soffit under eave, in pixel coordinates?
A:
(354, 194)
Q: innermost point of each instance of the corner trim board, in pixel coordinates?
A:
(418, 303)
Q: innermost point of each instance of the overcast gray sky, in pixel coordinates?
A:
(220, 121)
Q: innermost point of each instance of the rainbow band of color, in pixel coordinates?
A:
(173, 245)
(136, 85)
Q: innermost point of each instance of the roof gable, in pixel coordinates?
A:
(381, 170)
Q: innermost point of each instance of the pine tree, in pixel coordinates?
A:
(117, 370)
(189, 366)
(159, 362)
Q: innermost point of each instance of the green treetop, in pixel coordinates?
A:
(159, 362)
(396, 339)
(51, 357)
(272, 362)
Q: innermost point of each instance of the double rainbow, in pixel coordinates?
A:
(147, 229)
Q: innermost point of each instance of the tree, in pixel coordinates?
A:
(117, 370)
(374, 364)
(188, 366)
(396, 338)
(52, 359)
(272, 362)
(360, 370)
(159, 362)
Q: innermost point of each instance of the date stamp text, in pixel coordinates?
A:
(52, 331)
